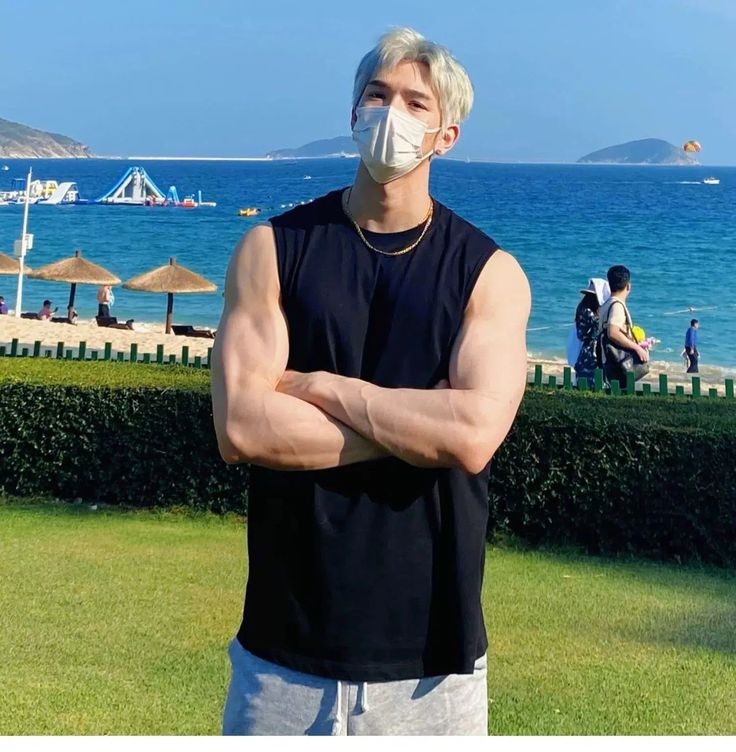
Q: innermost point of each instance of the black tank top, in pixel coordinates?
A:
(370, 571)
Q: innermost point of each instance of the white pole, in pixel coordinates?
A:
(19, 294)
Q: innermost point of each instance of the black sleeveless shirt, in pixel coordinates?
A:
(370, 571)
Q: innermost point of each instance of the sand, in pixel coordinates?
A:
(49, 334)
(149, 336)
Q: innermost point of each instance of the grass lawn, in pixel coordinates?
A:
(117, 622)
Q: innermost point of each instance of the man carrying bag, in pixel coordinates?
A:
(620, 350)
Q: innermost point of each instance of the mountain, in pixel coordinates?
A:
(342, 146)
(646, 151)
(18, 140)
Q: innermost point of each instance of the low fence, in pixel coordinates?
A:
(537, 377)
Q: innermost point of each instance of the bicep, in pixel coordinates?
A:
(489, 355)
(251, 348)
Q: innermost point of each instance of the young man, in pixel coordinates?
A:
(104, 297)
(370, 360)
(616, 323)
(691, 346)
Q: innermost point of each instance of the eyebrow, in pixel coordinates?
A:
(415, 93)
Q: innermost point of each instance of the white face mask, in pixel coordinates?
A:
(389, 141)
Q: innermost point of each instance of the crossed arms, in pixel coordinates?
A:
(283, 419)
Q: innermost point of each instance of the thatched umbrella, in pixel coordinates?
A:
(75, 270)
(10, 265)
(170, 278)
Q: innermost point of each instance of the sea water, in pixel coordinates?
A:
(564, 223)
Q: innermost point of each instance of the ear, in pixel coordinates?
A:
(446, 139)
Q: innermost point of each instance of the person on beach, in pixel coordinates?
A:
(3, 306)
(691, 346)
(616, 324)
(370, 360)
(587, 327)
(45, 314)
(104, 298)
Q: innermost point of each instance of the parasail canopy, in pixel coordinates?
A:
(691, 146)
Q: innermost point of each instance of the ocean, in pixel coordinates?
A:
(564, 223)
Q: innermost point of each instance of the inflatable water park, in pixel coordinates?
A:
(136, 188)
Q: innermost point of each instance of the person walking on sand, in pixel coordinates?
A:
(691, 346)
(616, 326)
(104, 299)
(370, 360)
(3, 306)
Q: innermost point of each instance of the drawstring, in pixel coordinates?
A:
(337, 725)
(364, 698)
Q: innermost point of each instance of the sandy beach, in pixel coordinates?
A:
(148, 336)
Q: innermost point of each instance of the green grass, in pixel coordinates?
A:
(116, 622)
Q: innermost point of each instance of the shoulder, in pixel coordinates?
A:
(502, 284)
(461, 227)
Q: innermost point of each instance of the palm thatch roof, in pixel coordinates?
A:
(77, 270)
(10, 265)
(170, 278)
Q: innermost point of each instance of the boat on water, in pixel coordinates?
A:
(249, 211)
(188, 202)
(4, 168)
(711, 181)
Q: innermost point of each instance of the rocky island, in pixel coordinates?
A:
(22, 141)
(647, 151)
(342, 146)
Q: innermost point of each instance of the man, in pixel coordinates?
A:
(104, 298)
(46, 313)
(370, 360)
(3, 306)
(691, 346)
(616, 324)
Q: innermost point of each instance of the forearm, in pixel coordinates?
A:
(423, 427)
(619, 339)
(282, 432)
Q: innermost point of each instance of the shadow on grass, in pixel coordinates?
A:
(702, 625)
(69, 509)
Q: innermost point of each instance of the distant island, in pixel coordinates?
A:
(647, 151)
(342, 146)
(17, 140)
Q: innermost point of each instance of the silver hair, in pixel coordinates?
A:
(449, 79)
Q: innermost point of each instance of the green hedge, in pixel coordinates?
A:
(105, 438)
(647, 475)
(650, 475)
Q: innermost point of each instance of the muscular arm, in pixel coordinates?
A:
(457, 427)
(253, 422)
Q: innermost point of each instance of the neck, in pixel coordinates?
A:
(620, 295)
(391, 207)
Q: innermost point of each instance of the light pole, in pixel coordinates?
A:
(22, 247)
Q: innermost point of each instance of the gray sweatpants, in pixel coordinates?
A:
(267, 699)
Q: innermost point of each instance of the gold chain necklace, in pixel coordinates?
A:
(427, 220)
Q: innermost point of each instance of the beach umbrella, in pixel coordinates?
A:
(170, 278)
(75, 270)
(10, 265)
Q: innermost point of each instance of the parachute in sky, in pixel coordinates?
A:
(692, 146)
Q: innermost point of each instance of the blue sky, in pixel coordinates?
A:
(553, 80)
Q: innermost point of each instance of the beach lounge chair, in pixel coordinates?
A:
(62, 320)
(111, 322)
(33, 316)
(186, 330)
